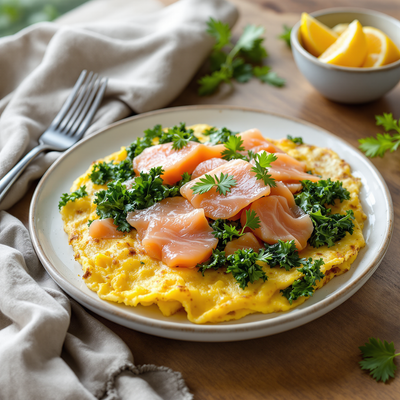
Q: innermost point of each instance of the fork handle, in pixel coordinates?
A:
(8, 180)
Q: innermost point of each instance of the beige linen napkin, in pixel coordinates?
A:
(50, 348)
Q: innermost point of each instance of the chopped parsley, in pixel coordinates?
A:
(284, 255)
(218, 136)
(67, 197)
(223, 184)
(104, 172)
(305, 285)
(378, 358)
(296, 140)
(328, 228)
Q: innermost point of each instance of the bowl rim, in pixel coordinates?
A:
(340, 10)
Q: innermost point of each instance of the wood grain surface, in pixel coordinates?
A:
(318, 360)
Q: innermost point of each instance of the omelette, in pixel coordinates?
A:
(124, 268)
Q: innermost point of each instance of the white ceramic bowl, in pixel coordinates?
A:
(344, 84)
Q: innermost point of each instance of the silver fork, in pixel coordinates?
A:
(67, 127)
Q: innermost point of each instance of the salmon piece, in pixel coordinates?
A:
(289, 170)
(255, 141)
(246, 190)
(175, 162)
(169, 207)
(281, 222)
(104, 229)
(247, 241)
(282, 190)
(180, 241)
(207, 166)
(294, 187)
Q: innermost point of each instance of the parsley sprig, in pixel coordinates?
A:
(262, 163)
(67, 197)
(223, 184)
(140, 144)
(373, 147)
(233, 147)
(179, 135)
(147, 189)
(239, 62)
(285, 35)
(328, 228)
(378, 358)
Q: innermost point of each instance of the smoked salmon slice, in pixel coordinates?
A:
(246, 190)
(169, 207)
(206, 166)
(282, 190)
(281, 222)
(180, 241)
(175, 162)
(255, 141)
(247, 241)
(289, 170)
(104, 229)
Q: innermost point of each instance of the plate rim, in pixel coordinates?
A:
(103, 307)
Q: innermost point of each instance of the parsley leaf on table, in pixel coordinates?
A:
(305, 285)
(218, 136)
(104, 172)
(285, 35)
(378, 358)
(265, 75)
(223, 184)
(262, 163)
(296, 140)
(373, 147)
(67, 197)
(238, 62)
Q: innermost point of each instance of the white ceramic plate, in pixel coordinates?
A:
(51, 242)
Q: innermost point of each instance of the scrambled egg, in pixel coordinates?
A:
(119, 270)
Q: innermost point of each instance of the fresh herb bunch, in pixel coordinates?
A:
(223, 184)
(378, 358)
(218, 136)
(179, 135)
(67, 197)
(104, 172)
(239, 62)
(296, 140)
(373, 147)
(305, 285)
(328, 228)
(285, 35)
(226, 230)
(117, 200)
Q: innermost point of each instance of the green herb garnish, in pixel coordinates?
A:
(378, 358)
(305, 285)
(285, 35)
(262, 163)
(67, 197)
(373, 147)
(137, 147)
(284, 255)
(218, 136)
(223, 184)
(238, 62)
(179, 135)
(296, 140)
(104, 172)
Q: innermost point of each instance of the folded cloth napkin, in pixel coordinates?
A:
(50, 348)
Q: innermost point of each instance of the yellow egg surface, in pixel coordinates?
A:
(119, 270)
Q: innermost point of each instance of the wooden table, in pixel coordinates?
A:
(318, 360)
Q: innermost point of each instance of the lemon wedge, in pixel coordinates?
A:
(340, 28)
(316, 36)
(350, 50)
(381, 50)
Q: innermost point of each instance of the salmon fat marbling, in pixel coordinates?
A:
(156, 260)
